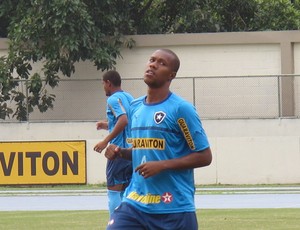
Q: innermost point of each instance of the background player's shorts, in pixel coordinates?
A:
(126, 217)
(118, 171)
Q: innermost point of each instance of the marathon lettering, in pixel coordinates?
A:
(58, 166)
(148, 143)
(186, 133)
(145, 199)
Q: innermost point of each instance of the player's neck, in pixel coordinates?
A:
(116, 89)
(156, 95)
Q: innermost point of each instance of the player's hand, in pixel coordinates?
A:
(150, 168)
(101, 125)
(100, 146)
(112, 151)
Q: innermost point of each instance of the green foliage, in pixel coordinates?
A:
(234, 15)
(197, 16)
(277, 15)
(57, 33)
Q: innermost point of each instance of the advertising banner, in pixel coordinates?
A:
(43, 162)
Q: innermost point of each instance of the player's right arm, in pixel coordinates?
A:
(113, 151)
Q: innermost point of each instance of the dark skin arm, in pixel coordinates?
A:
(194, 160)
(119, 127)
(113, 151)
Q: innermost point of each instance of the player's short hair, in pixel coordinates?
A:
(113, 76)
(176, 63)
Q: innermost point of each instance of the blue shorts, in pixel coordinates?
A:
(118, 171)
(127, 217)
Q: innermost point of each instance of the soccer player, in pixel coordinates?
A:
(119, 171)
(168, 142)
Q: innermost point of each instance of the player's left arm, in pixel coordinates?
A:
(193, 160)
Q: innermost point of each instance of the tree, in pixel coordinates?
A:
(233, 15)
(57, 33)
(158, 17)
(277, 15)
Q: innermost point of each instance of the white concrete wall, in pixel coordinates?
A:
(209, 60)
(253, 151)
(198, 57)
(265, 151)
(297, 80)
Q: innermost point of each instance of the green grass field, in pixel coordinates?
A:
(209, 219)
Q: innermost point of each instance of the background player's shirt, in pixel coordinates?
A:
(117, 105)
(162, 131)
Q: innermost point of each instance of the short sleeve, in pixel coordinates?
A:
(191, 127)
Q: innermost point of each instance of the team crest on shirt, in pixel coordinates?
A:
(159, 117)
(167, 197)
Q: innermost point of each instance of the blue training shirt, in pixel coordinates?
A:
(118, 104)
(166, 130)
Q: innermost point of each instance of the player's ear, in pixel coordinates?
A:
(108, 82)
(172, 76)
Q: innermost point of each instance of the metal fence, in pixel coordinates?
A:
(217, 97)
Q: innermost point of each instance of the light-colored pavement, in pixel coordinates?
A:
(97, 200)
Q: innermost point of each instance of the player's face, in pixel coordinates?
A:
(159, 70)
